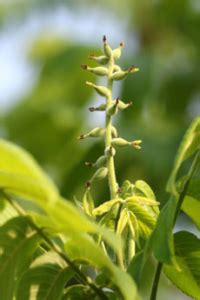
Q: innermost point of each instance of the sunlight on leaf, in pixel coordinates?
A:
(187, 249)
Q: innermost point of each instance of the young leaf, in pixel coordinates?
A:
(68, 220)
(17, 244)
(122, 222)
(187, 250)
(146, 221)
(20, 174)
(189, 145)
(93, 254)
(133, 225)
(142, 201)
(143, 187)
(88, 203)
(105, 207)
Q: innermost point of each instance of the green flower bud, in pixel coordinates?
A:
(123, 105)
(114, 132)
(110, 151)
(107, 49)
(119, 142)
(102, 60)
(96, 132)
(113, 109)
(116, 68)
(100, 71)
(136, 144)
(118, 51)
(101, 107)
(101, 90)
(101, 161)
(119, 75)
(100, 174)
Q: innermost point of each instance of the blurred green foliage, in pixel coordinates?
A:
(165, 95)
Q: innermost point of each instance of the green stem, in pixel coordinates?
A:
(108, 136)
(119, 256)
(178, 207)
(156, 281)
(113, 186)
(82, 277)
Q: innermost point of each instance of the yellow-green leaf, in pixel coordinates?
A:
(21, 175)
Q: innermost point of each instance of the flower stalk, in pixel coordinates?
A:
(105, 163)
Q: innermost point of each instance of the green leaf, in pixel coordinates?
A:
(146, 221)
(188, 146)
(142, 201)
(162, 238)
(78, 291)
(45, 279)
(194, 188)
(105, 207)
(7, 212)
(67, 219)
(123, 220)
(20, 174)
(187, 250)
(143, 187)
(93, 255)
(136, 266)
(191, 202)
(18, 242)
(191, 207)
(88, 203)
(133, 225)
(126, 189)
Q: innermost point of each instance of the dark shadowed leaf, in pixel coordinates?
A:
(45, 279)
(18, 242)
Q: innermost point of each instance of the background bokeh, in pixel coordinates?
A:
(44, 100)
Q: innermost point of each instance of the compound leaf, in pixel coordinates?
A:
(45, 279)
(18, 242)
